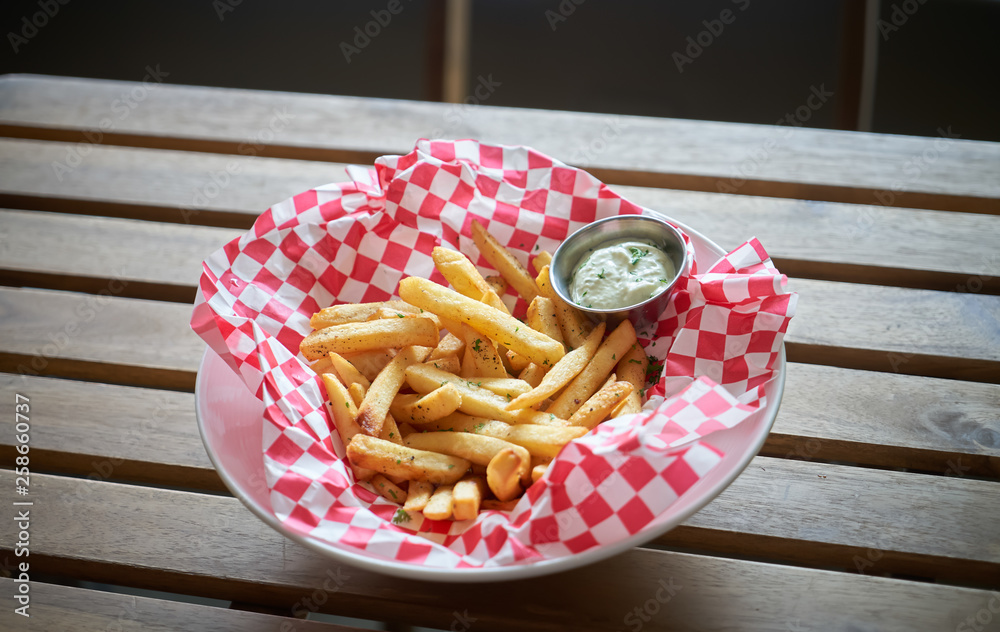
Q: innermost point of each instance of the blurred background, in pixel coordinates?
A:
(896, 66)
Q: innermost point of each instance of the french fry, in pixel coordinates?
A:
(538, 471)
(475, 448)
(468, 364)
(389, 490)
(532, 374)
(498, 284)
(424, 378)
(349, 374)
(465, 278)
(542, 317)
(419, 410)
(441, 504)
(503, 475)
(573, 324)
(371, 363)
(390, 431)
(541, 260)
(417, 495)
(354, 337)
(485, 359)
(515, 362)
(563, 371)
(507, 387)
(449, 364)
(543, 442)
(494, 324)
(599, 406)
(492, 504)
(632, 369)
(615, 346)
(389, 458)
(344, 412)
(372, 412)
(450, 345)
(321, 366)
(357, 393)
(505, 263)
(355, 313)
(467, 496)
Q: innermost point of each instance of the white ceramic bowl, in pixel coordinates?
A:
(230, 419)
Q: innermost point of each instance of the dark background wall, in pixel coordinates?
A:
(938, 61)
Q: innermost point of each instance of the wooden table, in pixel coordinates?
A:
(874, 505)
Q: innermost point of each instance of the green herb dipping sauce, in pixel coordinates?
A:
(622, 274)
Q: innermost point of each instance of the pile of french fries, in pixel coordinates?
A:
(447, 404)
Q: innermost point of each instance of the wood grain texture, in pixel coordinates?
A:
(235, 556)
(888, 420)
(780, 161)
(169, 186)
(98, 337)
(111, 432)
(58, 608)
(898, 330)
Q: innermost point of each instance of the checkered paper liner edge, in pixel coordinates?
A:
(352, 242)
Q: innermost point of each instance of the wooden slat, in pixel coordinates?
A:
(773, 508)
(697, 155)
(112, 432)
(83, 253)
(66, 609)
(899, 330)
(169, 186)
(235, 556)
(98, 337)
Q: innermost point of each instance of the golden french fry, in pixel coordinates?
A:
(468, 364)
(532, 374)
(574, 325)
(563, 371)
(321, 366)
(507, 387)
(515, 362)
(419, 410)
(632, 369)
(497, 283)
(505, 263)
(485, 359)
(449, 364)
(467, 497)
(441, 504)
(405, 429)
(357, 393)
(372, 412)
(450, 345)
(417, 495)
(599, 406)
(541, 260)
(538, 471)
(371, 363)
(542, 317)
(389, 490)
(354, 337)
(503, 475)
(424, 378)
(349, 374)
(615, 346)
(465, 278)
(344, 412)
(354, 313)
(494, 324)
(389, 458)
(475, 448)
(390, 431)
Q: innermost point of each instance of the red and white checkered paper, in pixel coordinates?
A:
(353, 242)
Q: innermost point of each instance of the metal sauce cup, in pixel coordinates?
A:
(579, 245)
